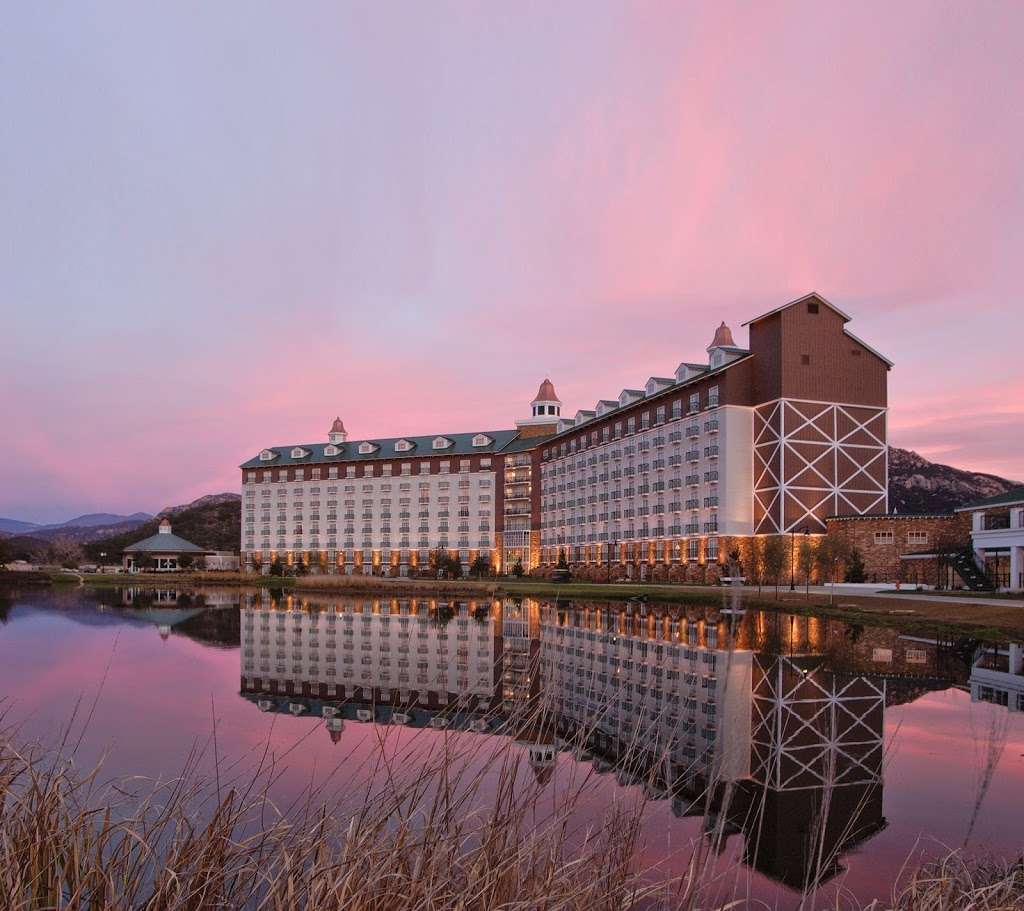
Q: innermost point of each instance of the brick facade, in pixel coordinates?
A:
(884, 540)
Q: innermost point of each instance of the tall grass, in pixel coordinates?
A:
(422, 831)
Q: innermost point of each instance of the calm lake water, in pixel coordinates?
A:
(899, 731)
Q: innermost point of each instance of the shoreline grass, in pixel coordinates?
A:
(425, 834)
(987, 620)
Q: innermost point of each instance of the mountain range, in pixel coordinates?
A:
(91, 520)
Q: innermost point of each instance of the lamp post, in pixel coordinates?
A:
(792, 559)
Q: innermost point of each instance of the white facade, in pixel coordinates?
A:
(371, 514)
(997, 535)
(686, 700)
(387, 645)
(687, 475)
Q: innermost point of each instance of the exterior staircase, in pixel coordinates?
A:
(973, 576)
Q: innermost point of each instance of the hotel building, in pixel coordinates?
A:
(770, 438)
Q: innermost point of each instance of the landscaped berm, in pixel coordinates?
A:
(164, 551)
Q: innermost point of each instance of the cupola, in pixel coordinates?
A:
(337, 433)
(545, 409)
(722, 348)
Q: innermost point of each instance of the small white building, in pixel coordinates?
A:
(222, 561)
(997, 538)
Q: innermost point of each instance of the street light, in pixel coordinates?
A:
(792, 555)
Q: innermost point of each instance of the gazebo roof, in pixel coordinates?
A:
(164, 543)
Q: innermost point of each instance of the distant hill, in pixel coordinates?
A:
(83, 528)
(919, 486)
(16, 526)
(100, 518)
(213, 521)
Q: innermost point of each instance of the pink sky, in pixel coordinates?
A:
(222, 226)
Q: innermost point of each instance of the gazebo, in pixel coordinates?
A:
(162, 551)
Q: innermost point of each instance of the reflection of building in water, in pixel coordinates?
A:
(735, 716)
(407, 651)
(786, 750)
(998, 677)
(665, 682)
(816, 780)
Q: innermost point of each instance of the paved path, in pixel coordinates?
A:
(851, 591)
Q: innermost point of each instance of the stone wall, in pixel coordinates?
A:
(882, 563)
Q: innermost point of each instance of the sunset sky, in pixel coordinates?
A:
(222, 224)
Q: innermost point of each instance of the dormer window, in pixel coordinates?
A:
(267, 455)
(441, 442)
(717, 359)
(403, 446)
(299, 453)
(331, 450)
(367, 447)
(481, 439)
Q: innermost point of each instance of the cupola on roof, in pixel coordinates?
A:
(723, 338)
(337, 426)
(546, 393)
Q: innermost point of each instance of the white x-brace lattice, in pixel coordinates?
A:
(860, 745)
(775, 438)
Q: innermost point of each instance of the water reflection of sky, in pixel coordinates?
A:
(158, 697)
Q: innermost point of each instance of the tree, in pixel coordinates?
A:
(774, 559)
(454, 567)
(755, 561)
(480, 567)
(142, 561)
(855, 570)
(832, 550)
(277, 567)
(65, 552)
(734, 562)
(517, 568)
(185, 561)
(4, 555)
(805, 559)
(562, 562)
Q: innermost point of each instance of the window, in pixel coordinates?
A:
(366, 448)
(695, 401)
(441, 443)
(481, 439)
(403, 446)
(917, 538)
(299, 453)
(812, 307)
(805, 359)
(330, 450)
(267, 454)
(883, 537)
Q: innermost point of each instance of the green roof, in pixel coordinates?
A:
(164, 544)
(462, 445)
(1013, 495)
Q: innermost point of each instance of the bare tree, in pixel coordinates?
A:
(805, 560)
(64, 552)
(774, 559)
